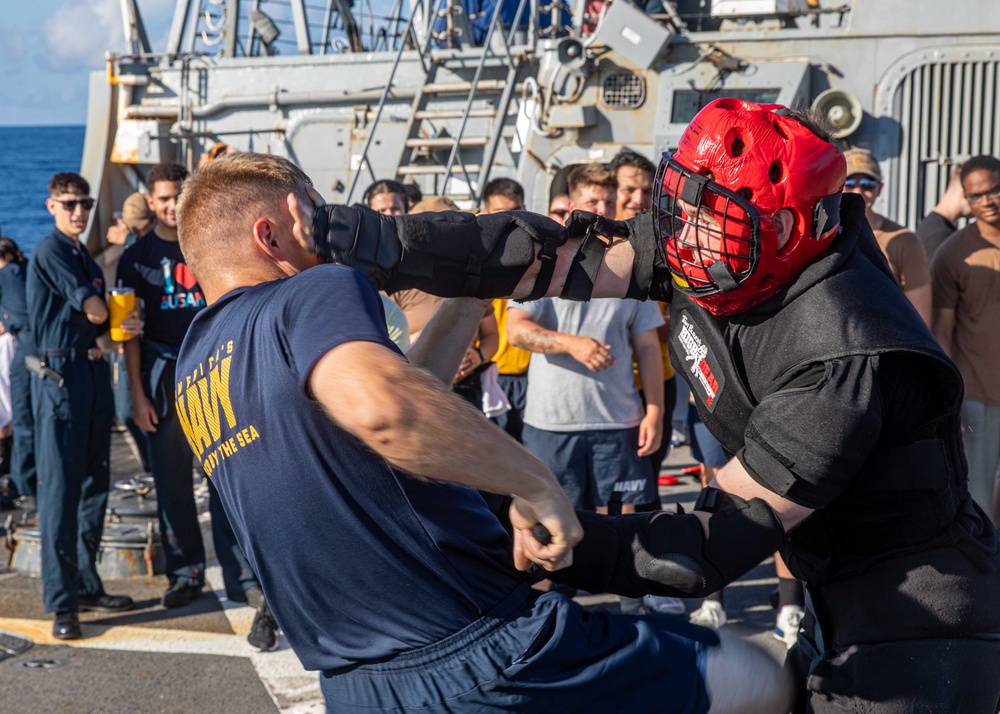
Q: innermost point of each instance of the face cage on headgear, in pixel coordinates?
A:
(721, 246)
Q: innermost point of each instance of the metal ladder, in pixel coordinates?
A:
(423, 152)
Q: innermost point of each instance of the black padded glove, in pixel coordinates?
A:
(650, 280)
(580, 223)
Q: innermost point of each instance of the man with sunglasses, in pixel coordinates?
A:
(966, 273)
(901, 246)
(810, 367)
(67, 313)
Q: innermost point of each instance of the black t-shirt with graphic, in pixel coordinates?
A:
(155, 268)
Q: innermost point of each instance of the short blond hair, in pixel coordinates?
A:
(600, 175)
(220, 203)
(434, 204)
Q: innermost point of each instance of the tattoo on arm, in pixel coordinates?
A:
(538, 340)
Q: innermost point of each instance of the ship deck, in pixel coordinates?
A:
(196, 658)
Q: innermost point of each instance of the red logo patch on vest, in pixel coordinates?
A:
(703, 373)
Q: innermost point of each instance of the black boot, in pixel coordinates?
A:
(66, 626)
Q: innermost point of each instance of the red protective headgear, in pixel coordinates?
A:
(738, 164)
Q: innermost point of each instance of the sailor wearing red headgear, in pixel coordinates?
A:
(811, 368)
(842, 415)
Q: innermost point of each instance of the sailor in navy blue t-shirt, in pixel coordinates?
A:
(349, 477)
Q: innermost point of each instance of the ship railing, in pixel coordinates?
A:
(420, 28)
(234, 28)
(381, 106)
(495, 135)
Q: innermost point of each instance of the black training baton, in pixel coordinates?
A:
(541, 534)
(536, 572)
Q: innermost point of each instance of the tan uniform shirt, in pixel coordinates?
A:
(418, 306)
(905, 253)
(966, 271)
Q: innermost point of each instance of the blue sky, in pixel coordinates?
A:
(49, 47)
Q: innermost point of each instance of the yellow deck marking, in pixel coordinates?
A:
(132, 638)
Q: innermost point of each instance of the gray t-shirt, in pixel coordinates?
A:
(563, 395)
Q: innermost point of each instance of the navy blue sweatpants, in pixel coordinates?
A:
(539, 653)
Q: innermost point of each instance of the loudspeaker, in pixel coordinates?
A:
(843, 110)
(570, 52)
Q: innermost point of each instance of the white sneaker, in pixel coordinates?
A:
(664, 604)
(710, 614)
(786, 627)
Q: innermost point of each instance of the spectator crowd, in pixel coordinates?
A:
(588, 387)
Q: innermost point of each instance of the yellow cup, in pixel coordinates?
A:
(122, 302)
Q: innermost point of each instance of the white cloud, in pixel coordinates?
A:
(78, 34)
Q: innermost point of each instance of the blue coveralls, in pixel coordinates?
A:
(72, 422)
(14, 310)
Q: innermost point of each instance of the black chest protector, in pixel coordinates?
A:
(904, 498)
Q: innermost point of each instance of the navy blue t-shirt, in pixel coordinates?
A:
(357, 561)
(155, 268)
(61, 277)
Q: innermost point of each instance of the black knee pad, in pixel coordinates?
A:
(668, 554)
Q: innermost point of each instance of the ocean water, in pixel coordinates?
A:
(29, 156)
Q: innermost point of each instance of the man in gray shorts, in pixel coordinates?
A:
(583, 416)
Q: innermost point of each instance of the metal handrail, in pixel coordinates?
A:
(423, 46)
(517, 22)
(468, 105)
(489, 153)
(487, 50)
(378, 112)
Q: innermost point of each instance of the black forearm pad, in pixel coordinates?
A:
(668, 554)
(602, 560)
(598, 233)
(651, 277)
(449, 254)
(641, 238)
